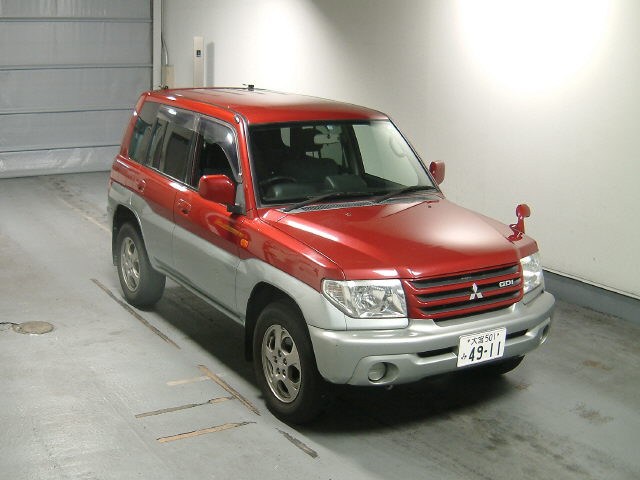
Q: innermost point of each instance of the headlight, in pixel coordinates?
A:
(531, 272)
(367, 298)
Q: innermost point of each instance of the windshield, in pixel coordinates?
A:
(296, 162)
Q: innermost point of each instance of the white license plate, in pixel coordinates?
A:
(481, 347)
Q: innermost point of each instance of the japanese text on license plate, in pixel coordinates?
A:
(481, 347)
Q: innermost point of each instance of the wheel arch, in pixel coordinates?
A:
(262, 295)
(121, 216)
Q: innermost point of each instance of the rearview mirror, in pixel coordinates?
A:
(436, 169)
(217, 188)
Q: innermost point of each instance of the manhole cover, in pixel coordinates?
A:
(33, 328)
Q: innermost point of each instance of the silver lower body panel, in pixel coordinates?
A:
(425, 348)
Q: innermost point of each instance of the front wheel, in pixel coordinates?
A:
(141, 285)
(285, 364)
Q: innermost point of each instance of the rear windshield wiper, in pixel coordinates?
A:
(326, 196)
(400, 191)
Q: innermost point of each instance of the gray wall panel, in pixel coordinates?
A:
(74, 160)
(56, 130)
(74, 43)
(26, 90)
(70, 73)
(76, 8)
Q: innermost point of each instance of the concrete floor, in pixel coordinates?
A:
(96, 398)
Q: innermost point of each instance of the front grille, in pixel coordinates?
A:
(468, 293)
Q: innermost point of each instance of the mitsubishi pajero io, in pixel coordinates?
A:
(316, 226)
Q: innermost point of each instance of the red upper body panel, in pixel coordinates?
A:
(410, 239)
(415, 238)
(260, 106)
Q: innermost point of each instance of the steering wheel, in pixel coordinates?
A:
(277, 179)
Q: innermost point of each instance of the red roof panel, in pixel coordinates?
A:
(265, 106)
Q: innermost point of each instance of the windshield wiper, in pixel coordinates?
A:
(326, 196)
(400, 191)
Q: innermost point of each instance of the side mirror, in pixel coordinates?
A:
(522, 211)
(436, 169)
(217, 188)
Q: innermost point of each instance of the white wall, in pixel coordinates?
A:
(533, 101)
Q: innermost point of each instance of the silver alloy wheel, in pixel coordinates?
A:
(281, 363)
(130, 264)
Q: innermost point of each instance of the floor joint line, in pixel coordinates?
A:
(184, 407)
(228, 388)
(204, 431)
(135, 314)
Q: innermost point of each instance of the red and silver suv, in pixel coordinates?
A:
(316, 225)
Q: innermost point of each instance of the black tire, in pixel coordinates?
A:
(142, 286)
(294, 391)
(499, 367)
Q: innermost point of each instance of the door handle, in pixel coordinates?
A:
(140, 184)
(184, 207)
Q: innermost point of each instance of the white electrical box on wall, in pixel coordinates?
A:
(198, 61)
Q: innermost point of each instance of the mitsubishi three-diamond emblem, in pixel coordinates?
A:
(475, 294)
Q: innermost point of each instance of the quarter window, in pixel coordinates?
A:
(143, 132)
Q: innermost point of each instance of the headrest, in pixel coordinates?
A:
(285, 191)
(326, 138)
(306, 140)
(346, 183)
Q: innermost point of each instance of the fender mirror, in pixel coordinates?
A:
(219, 189)
(436, 169)
(522, 211)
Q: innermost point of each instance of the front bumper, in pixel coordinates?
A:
(424, 348)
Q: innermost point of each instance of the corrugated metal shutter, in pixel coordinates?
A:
(70, 73)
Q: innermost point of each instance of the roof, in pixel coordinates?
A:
(266, 106)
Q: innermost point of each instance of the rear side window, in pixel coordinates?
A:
(142, 132)
(157, 136)
(171, 141)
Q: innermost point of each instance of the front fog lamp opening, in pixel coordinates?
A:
(377, 371)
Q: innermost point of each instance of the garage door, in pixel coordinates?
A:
(70, 73)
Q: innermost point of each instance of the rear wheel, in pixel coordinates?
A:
(285, 364)
(141, 285)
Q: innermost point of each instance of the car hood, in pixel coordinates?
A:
(403, 240)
